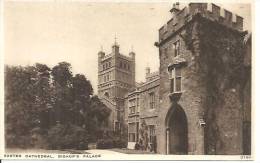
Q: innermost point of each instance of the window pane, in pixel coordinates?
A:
(172, 85)
(173, 73)
(151, 133)
(178, 84)
(152, 98)
(178, 44)
(131, 128)
(175, 52)
(174, 49)
(131, 137)
(118, 115)
(177, 48)
(177, 72)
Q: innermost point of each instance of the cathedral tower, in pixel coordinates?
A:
(116, 76)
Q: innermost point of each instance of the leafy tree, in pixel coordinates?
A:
(43, 94)
(81, 87)
(73, 137)
(20, 115)
(99, 110)
(62, 81)
(96, 119)
(81, 90)
(62, 74)
(47, 107)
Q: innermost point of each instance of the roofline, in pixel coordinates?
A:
(195, 17)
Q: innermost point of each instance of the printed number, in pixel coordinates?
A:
(245, 157)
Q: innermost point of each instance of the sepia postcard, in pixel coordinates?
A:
(126, 80)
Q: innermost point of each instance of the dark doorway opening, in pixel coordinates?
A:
(177, 132)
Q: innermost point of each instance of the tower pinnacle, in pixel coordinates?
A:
(115, 46)
(132, 48)
(115, 40)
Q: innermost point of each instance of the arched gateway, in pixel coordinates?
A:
(176, 131)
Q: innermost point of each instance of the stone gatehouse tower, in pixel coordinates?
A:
(202, 82)
(199, 102)
(116, 76)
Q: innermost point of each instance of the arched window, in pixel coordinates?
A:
(176, 48)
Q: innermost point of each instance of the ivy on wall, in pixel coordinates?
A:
(219, 56)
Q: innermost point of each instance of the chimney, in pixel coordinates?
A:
(177, 5)
(147, 71)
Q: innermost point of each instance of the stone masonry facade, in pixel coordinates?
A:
(199, 102)
(142, 105)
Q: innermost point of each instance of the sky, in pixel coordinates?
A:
(50, 32)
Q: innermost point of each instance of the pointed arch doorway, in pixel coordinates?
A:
(176, 131)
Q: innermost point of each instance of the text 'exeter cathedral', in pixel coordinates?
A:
(199, 102)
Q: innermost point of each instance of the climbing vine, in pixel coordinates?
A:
(219, 57)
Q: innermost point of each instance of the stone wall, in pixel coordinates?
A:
(145, 109)
(247, 96)
(221, 60)
(192, 97)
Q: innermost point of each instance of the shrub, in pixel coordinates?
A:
(111, 143)
(137, 146)
(120, 143)
(20, 141)
(105, 144)
(67, 137)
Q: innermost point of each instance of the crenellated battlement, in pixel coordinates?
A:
(207, 10)
(105, 57)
